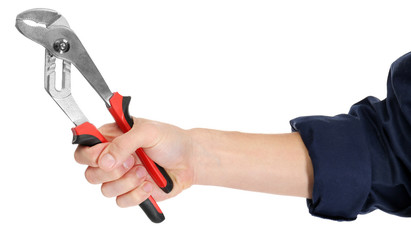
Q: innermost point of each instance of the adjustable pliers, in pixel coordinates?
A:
(51, 30)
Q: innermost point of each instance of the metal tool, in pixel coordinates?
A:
(51, 30)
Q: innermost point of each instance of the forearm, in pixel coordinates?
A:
(271, 163)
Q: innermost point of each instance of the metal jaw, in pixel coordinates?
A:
(51, 30)
(62, 97)
(35, 23)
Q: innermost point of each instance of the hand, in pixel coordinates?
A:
(116, 166)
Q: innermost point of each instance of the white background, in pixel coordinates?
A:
(249, 66)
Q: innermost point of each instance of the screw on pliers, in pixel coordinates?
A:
(51, 30)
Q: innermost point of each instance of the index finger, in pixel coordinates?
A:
(89, 155)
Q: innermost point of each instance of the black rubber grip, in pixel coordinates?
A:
(87, 134)
(126, 103)
(86, 140)
(151, 211)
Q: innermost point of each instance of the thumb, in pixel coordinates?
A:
(144, 134)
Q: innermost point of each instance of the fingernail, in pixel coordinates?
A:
(141, 172)
(107, 161)
(128, 163)
(148, 187)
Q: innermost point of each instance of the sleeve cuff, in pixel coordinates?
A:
(342, 167)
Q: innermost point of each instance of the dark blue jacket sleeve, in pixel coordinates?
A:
(362, 160)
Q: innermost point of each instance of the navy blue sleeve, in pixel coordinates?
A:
(362, 160)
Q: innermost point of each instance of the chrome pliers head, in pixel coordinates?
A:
(51, 30)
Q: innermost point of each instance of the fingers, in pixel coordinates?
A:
(96, 175)
(113, 164)
(132, 179)
(136, 196)
(143, 134)
(130, 186)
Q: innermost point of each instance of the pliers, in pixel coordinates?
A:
(51, 30)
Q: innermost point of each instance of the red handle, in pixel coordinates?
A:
(87, 134)
(119, 110)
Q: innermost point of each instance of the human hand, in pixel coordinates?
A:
(115, 165)
(271, 163)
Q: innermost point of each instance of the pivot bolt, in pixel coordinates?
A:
(61, 46)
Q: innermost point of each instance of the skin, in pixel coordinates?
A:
(271, 163)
